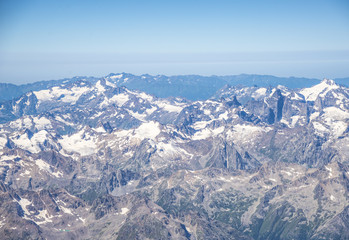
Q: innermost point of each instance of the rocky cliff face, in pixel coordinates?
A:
(89, 159)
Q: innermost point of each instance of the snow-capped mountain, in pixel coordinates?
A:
(93, 158)
(192, 87)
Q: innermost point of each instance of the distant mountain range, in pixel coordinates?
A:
(89, 158)
(192, 87)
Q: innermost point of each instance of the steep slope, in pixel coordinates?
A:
(89, 159)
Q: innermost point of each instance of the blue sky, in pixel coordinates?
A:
(42, 40)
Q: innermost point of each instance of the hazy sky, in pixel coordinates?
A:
(42, 40)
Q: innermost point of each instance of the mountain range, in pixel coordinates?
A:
(183, 157)
(192, 87)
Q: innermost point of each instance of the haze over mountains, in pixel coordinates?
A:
(88, 158)
(192, 87)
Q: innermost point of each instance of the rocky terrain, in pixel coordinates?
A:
(91, 159)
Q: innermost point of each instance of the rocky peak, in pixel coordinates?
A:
(329, 82)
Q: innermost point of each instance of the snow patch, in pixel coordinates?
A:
(148, 130)
(314, 115)
(44, 217)
(169, 107)
(58, 118)
(24, 203)
(320, 128)
(294, 120)
(245, 133)
(145, 96)
(320, 89)
(140, 116)
(65, 95)
(32, 145)
(110, 84)
(100, 88)
(223, 116)
(149, 111)
(42, 123)
(260, 92)
(119, 99)
(124, 211)
(116, 76)
(66, 210)
(80, 142)
(335, 114)
(3, 142)
(100, 130)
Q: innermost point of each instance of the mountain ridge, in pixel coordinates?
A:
(193, 87)
(91, 159)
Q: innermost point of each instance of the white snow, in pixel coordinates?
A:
(223, 116)
(119, 99)
(80, 142)
(320, 89)
(16, 124)
(294, 120)
(33, 144)
(100, 130)
(110, 84)
(206, 133)
(66, 210)
(27, 122)
(24, 203)
(335, 113)
(68, 95)
(140, 116)
(3, 141)
(200, 124)
(27, 172)
(320, 128)
(5, 157)
(329, 169)
(203, 134)
(288, 173)
(218, 130)
(58, 118)
(167, 106)
(336, 121)
(207, 112)
(332, 198)
(116, 76)
(296, 97)
(145, 96)
(260, 92)
(338, 128)
(314, 115)
(42, 123)
(245, 132)
(100, 88)
(44, 217)
(149, 111)
(148, 130)
(124, 211)
(44, 166)
(272, 92)
(43, 95)
(169, 149)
